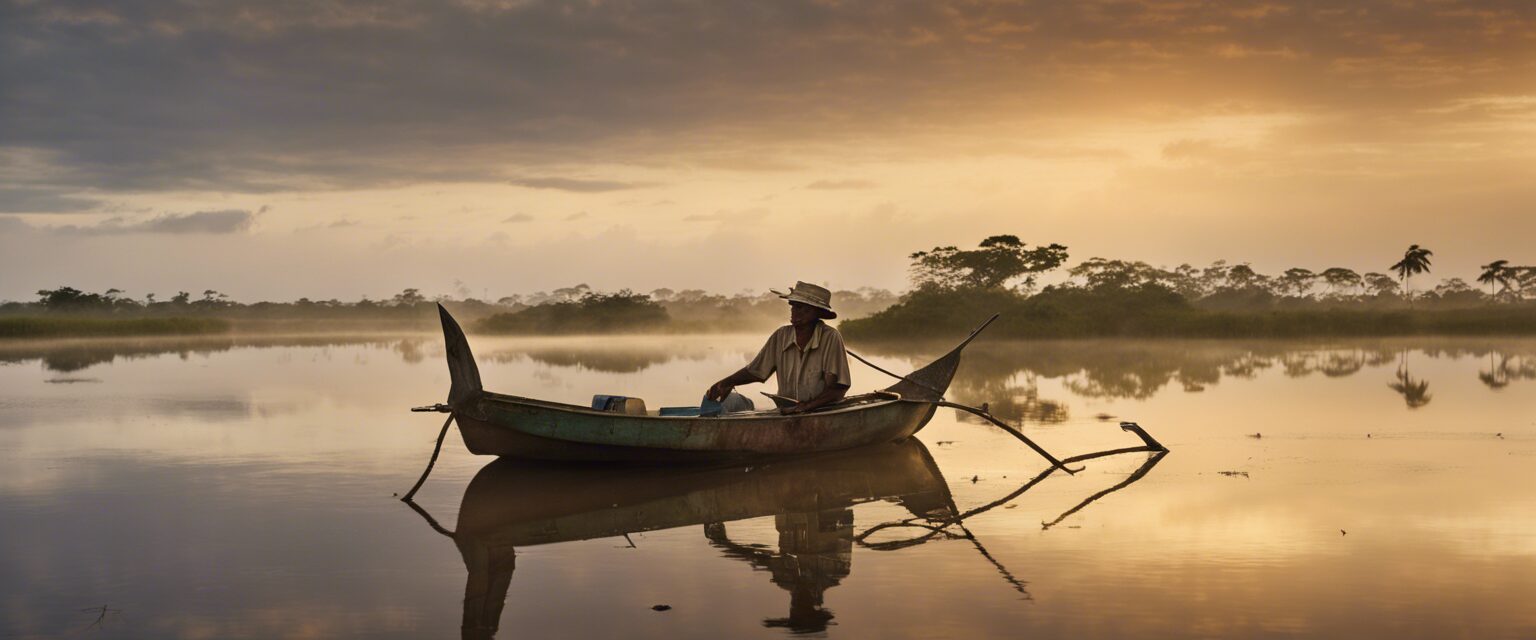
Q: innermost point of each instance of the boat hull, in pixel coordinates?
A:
(500, 425)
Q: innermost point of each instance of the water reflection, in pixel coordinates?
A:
(1415, 392)
(1504, 368)
(69, 356)
(516, 503)
(1008, 374)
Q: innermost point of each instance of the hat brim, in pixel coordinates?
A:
(826, 312)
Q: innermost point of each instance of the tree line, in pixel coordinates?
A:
(578, 308)
(1004, 262)
(954, 288)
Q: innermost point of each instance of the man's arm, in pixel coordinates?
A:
(728, 384)
(757, 370)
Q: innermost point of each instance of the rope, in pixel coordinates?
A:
(897, 376)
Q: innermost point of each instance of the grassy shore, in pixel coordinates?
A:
(1157, 313)
(79, 326)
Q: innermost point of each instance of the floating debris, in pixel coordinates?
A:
(1234, 474)
(662, 607)
(1011, 506)
(1104, 417)
(974, 479)
(1343, 532)
(1255, 435)
(944, 442)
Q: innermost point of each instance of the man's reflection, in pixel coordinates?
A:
(815, 554)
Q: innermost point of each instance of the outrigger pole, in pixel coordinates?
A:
(913, 389)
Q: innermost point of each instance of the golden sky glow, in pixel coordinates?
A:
(341, 149)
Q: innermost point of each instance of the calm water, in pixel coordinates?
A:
(244, 488)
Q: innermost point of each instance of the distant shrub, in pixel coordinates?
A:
(621, 312)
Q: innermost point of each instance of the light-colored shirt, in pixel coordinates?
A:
(802, 372)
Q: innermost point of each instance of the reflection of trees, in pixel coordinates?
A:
(1414, 392)
(598, 356)
(604, 361)
(71, 356)
(1013, 398)
(410, 350)
(1007, 374)
(1505, 368)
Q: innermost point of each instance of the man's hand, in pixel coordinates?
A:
(719, 391)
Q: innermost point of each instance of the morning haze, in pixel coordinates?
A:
(1105, 319)
(348, 149)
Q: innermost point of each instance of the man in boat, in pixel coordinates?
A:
(807, 356)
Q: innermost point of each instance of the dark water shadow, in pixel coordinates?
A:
(516, 503)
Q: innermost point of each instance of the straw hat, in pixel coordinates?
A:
(807, 293)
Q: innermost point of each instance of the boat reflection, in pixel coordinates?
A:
(511, 504)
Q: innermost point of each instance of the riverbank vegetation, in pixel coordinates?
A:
(954, 290)
(569, 310)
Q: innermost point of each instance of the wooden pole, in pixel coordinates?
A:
(428, 471)
(1022, 438)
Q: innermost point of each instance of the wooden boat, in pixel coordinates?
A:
(506, 425)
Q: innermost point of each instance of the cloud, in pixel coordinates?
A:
(518, 217)
(205, 222)
(576, 185)
(269, 97)
(756, 214)
(13, 224)
(42, 200)
(837, 185)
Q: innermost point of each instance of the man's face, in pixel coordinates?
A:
(801, 314)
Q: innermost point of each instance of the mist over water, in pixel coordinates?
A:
(243, 487)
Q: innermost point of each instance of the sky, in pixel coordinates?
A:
(285, 149)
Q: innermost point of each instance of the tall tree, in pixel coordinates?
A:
(1379, 284)
(991, 265)
(1340, 277)
(1242, 276)
(1415, 261)
(1496, 272)
(1297, 281)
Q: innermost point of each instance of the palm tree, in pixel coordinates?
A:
(1415, 261)
(1496, 272)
